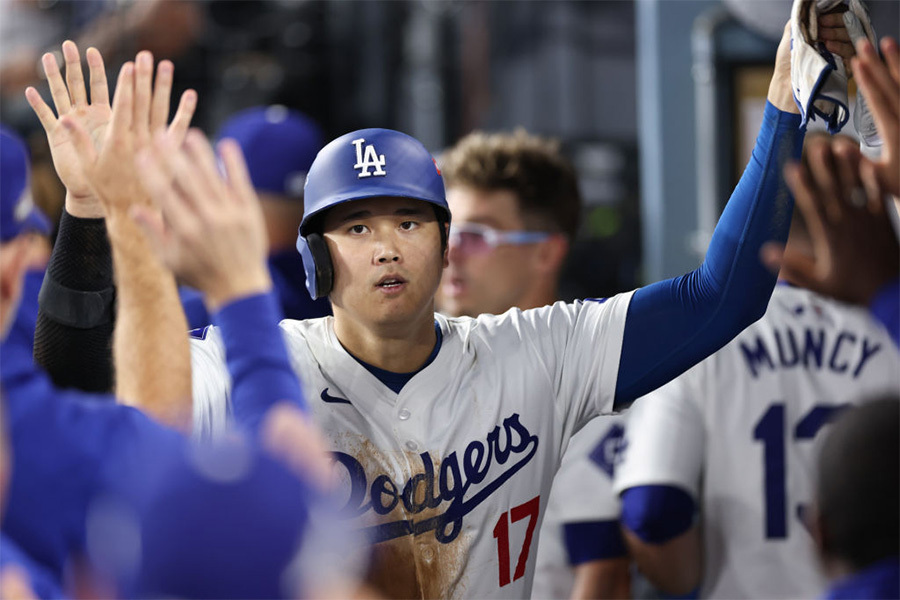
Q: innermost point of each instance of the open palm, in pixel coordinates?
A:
(70, 98)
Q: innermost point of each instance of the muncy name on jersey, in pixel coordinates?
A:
(842, 352)
(511, 445)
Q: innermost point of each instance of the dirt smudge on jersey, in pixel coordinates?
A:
(411, 566)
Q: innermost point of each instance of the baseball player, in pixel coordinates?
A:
(446, 432)
(856, 515)
(279, 145)
(516, 205)
(735, 439)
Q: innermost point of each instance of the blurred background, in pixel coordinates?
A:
(657, 102)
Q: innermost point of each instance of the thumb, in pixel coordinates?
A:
(81, 139)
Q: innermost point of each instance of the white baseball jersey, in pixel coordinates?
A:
(452, 474)
(582, 491)
(739, 430)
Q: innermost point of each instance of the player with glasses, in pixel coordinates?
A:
(515, 206)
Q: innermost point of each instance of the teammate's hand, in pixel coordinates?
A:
(855, 249)
(70, 98)
(290, 436)
(211, 231)
(139, 110)
(780, 93)
(880, 84)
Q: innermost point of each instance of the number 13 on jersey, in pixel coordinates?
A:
(530, 510)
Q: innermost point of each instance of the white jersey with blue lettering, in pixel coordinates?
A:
(452, 474)
(582, 491)
(739, 432)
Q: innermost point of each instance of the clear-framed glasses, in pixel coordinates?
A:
(475, 238)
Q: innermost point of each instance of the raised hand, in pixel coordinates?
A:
(855, 250)
(70, 98)
(880, 84)
(139, 110)
(210, 232)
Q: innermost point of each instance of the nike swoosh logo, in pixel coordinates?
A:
(333, 399)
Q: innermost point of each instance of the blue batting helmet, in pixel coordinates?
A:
(368, 163)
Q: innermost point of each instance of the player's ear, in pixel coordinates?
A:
(812, 519)
(551, 253)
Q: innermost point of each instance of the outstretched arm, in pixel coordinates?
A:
(148, 310)
(673, 324)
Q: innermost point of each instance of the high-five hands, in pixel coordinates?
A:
(93, 144)
(855, 250)
(209, 229)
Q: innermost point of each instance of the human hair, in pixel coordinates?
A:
(858, 491)
(531, 167)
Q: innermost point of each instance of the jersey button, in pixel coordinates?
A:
(404, 414)
(411, 446)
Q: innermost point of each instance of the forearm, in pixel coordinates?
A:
(673, 324)
(600, 579)
(151, 350)
(76, 316)
(674, 566)
(257, 358)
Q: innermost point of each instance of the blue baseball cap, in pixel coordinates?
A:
(18, 213)
(279, 145)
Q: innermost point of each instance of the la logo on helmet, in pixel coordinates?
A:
(370, 159)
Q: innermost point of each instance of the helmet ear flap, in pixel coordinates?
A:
(324, 267)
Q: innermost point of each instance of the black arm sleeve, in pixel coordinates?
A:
(80, 267)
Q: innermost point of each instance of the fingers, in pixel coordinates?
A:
(185, 174)
(891, 53)
(44, 113)
(799, 269)
(123, 101)
(236, 171)
(143, 80)
(81, 139)
(74, 76)
(843, 49)
(58, 90)
(806, 197)
(204, 166)
(99, 87)
(157, 180)
(162, 91)
(835, 34)
(833, 20)
(820, 163)
(846, 159)
(183, 116)
(868, 173)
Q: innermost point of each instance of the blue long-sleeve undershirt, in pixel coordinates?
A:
(673, 324)
(257, 358)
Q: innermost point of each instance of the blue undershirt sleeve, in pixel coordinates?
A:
(885, 307)
(257, 358)
(657, 513)
(673, 324)
(587, 541)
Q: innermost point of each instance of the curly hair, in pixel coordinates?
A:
(531, 167)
